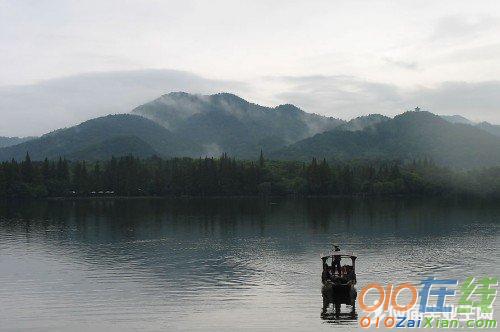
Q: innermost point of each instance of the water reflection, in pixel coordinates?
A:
(341, 319)
(221, 263)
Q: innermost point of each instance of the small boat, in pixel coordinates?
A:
(338, 280)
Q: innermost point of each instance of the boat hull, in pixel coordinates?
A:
(338, 294)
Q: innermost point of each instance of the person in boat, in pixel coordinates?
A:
(350, 275)
(336, 262)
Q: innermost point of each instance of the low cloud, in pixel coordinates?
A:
(341, 96)
(52, 104)
(476, 100)
(347, 97)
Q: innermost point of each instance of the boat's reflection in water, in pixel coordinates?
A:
(340, 318)
(345, 315)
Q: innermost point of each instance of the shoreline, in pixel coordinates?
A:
(291, 196)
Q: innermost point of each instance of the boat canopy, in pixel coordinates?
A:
(340, 253)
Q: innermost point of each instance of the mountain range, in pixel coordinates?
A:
(411, 135)
(492, 129)
(227, 123)
(179, 124)
(103, 137)
(9, 141)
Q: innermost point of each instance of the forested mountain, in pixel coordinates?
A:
(9, 141)
(486, 126)
(227, 123)
(407, 136)
(492, 129)
(362, 122)
(100, 138)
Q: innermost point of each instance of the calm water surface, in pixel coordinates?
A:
(221, 264)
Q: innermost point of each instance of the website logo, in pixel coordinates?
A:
(434, 303)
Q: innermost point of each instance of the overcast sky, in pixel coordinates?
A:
(66, 61)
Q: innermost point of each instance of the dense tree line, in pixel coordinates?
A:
(130, 176)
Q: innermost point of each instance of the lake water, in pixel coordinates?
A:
(222, 264)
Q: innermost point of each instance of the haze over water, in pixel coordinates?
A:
(222, 264)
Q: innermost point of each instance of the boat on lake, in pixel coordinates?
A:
(339, 280)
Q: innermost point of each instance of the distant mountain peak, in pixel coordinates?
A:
(288, 108)
(490, 128)
(416, 113)
(364, 121)
(190, 103)
(228, 96)
(457, 119)
(178, 94)
(420, 115)
(9, 141)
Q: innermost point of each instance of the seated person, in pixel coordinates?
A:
(350, 275)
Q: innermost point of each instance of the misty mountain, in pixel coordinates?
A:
(9, 141)
(227, 123)
(457, 119)
(115, 146)
(486, 126)
(407, 136)
(101, 138)
(181, 124)
(492, 129)
(362, 122)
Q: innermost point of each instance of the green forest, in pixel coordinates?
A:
(131, 176)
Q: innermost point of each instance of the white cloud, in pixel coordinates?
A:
(38, 108)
